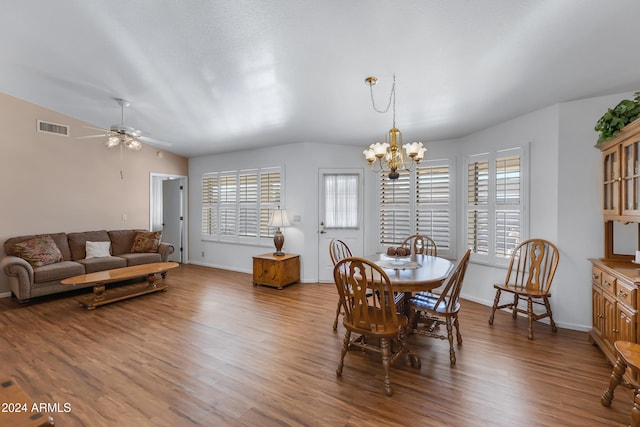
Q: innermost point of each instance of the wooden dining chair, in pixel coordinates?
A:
(531, 269)
(420, 244)
(429, 311)
(374, 320)
(338, 250)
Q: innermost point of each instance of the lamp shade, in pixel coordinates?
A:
(279, 218)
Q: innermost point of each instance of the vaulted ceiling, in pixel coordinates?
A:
(212, 76)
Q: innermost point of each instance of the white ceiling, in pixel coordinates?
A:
(212, 76)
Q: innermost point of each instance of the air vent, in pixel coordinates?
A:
(54, 128)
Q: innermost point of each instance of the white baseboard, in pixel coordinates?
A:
(5, 295)
(572, 326)
(221, 267)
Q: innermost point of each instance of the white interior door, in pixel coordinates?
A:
(341, 215)
(173, 217)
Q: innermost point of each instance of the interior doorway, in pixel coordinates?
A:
(168, 212)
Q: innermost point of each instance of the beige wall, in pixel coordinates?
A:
(51, 183)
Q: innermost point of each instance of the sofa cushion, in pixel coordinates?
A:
(141, 258)
(38, 251)
(98, 249)
(59, 238)
(57, 271)
(92, 265)
(62, 244)
(146, 241)
(122, 241)
(78, 242)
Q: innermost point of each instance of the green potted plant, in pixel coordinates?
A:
(618, 117)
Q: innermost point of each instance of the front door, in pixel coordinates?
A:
(341, 215)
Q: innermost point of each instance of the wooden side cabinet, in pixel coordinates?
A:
(615, 306)
(276, 271)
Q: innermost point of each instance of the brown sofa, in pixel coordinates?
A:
(26, 281)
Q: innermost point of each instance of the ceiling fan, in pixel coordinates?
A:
(123, 135)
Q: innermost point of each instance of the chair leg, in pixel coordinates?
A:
(335, 322)
(530, 317)
(452, 353)
(345, 347)
(554, 328)
(457, 325)
(386, 363)
(614, 380)
(514, 312)
(496, 300)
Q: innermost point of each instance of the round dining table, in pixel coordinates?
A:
(414, 273)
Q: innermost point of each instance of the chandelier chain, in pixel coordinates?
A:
(392, 99)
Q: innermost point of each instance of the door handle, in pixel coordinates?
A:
(322, 232)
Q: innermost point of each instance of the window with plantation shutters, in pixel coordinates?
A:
(210, 204)
(419, 202)
(508, 205)
(495, 212)
(433, 203)
(270, 191)
(248, 213)
(237, 205)
(227, 204)
(478, 205)
(395, 209)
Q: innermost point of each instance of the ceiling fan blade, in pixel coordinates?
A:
(92, 136)
(92, 128)
(154, 141)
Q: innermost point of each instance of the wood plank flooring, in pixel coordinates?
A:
(216, 351)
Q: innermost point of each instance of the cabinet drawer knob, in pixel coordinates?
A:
(622, 294)
(606, 283)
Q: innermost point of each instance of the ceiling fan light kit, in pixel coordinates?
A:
(123, 135)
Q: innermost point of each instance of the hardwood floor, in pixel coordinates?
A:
(215, 350)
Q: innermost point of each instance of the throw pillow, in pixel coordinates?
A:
(146, 241)
(98, 249)
(39, 251)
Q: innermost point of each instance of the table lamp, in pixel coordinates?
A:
(279, 219)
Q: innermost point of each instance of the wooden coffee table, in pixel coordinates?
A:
(100, 278)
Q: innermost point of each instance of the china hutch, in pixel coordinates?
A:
(616, 276)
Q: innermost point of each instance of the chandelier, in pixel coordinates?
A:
(387, 156)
